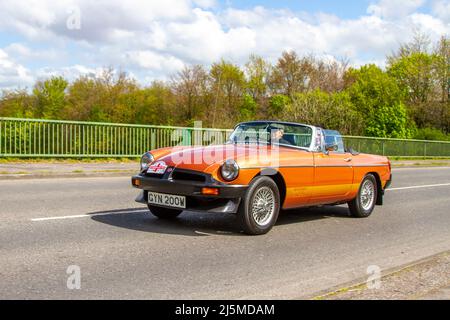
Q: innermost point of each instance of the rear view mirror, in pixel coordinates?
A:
(331, 147)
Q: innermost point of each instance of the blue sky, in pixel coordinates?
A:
(344, 9)
(154, 39)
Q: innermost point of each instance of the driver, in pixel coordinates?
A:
(277, 136)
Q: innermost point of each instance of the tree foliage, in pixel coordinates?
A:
(411, 98)
(379, 98)
(325, 110)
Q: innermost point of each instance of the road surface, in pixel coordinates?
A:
(48, 225)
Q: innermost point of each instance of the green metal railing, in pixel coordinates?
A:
(51, 138)
(399, 147)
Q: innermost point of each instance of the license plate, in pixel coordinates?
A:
(167, 200)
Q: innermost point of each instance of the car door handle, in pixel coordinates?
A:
(348, 159)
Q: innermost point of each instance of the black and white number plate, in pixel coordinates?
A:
(167, 200)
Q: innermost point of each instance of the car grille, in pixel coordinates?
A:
(154, 175)
(183, 175)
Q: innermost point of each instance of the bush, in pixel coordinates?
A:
(431, 134)
(380, 100)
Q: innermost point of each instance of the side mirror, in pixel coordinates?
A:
(331, 147)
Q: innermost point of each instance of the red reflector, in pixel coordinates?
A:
(210, 191)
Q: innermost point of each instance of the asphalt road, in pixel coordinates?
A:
(94, 223)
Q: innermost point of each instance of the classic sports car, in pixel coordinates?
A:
(265, 166)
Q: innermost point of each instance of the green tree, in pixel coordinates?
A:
(50, 95)
(431, 134)
(442, 65)
(228, 87)
(414, 74)
(83, 101)
(248, 108)
(156, 105)
(277, 104)
(333, 111)
(423, 74)
(379, 99)
(257, 71)
(17, 104)
(190, 87)
(290, 75)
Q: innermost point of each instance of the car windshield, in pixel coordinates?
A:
(293, 135)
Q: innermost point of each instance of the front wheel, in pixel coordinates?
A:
(260, 206)
(364, 203)
(164, 213)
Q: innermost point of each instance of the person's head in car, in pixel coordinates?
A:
(277, 136)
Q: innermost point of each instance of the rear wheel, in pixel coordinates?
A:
(164, 213)
(364, 203)
(260, 206)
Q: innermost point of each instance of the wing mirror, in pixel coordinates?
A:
(331, 147)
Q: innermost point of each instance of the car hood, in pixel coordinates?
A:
(207, 159)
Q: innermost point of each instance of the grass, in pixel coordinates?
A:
(359, 286)
(129, 160)
(421, 164)
(68, 160)
(396, 158)
(16, 172)
(114, 171)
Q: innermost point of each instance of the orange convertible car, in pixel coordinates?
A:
(265, 166)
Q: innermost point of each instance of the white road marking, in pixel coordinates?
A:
(419, 187)
(199, 232)
(204, 233)
(83, 216)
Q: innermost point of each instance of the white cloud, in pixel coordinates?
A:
(429, 25)
(441, 8)
(394, 8)
(22, 53)
(100, 19)
(69, 72)
(205, 4)
(153, 61)
(153, 39)
(12, 74)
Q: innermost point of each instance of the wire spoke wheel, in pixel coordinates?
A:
(259, 209)
(367, 195)
(263, 206)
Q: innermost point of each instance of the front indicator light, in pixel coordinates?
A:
(210, 191)
(136, 182)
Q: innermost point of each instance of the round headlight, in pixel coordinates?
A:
(229, 170)
(146, 160)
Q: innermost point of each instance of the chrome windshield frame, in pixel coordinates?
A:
(313, 133)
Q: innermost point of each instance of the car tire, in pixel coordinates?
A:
(364, 203)
(260, 206)
(164, 213)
